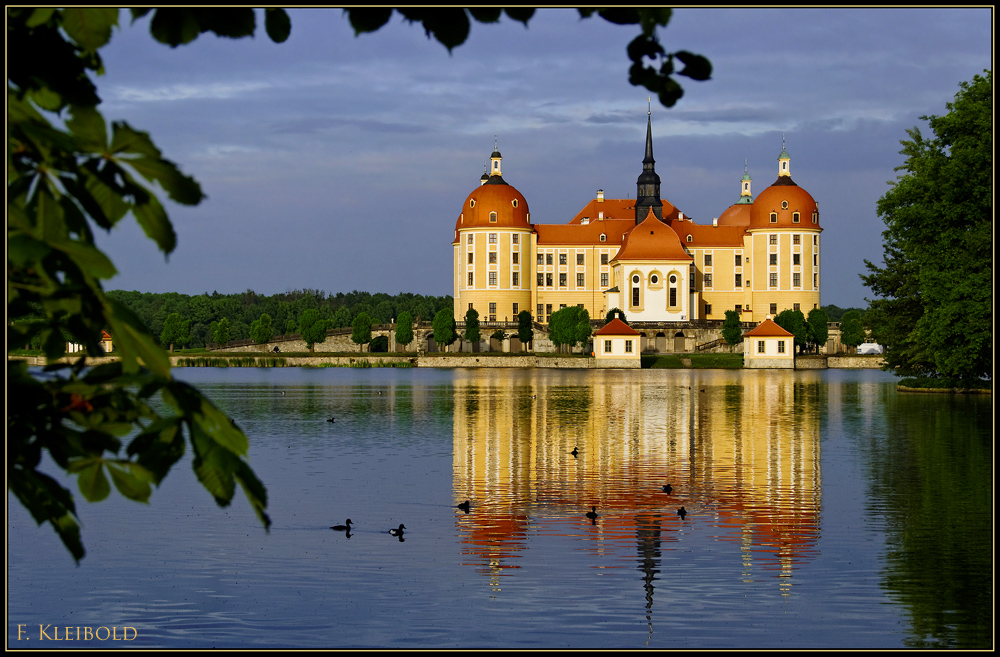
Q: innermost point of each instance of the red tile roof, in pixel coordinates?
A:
(616, 327)
(652, 240)
(768, 329)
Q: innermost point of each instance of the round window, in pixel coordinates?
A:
(654, 279)
(635, 279)
(673, 279)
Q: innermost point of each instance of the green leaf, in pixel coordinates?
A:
(131, 479)
(93, 484)
(88, 258)
(89, 27)
(368, 19)
(155, 223)
(277, 24)
(88, 126)
(179, 187)
(125, 139)
(134, 343)
(520, 14)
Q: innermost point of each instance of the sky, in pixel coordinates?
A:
(341, 163)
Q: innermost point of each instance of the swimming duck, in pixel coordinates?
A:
(682, 512)
(343, 528)
(668, 489)
(464, 506)
(574, 452)
(398, 531)
(592, 514)
(333, 419)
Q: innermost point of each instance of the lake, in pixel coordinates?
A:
(824, 509)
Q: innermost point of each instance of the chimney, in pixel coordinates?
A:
(600, 196)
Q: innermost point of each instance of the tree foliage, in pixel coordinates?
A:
(933, 296)
(361, 330)
(570, 326)
(176, 331)
(852, 332)
(613, 313)
(472, 333)
(818, 324)
(445, 330)
(262, 330)
(525, 332)
(732, 331)
(313, 328)
(404, 328)
(68, 172)
(794, 322)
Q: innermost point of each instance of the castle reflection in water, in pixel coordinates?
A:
(741, 450)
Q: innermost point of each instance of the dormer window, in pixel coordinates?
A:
(493, 217)
(690, 239)
(514, 203)
(784, 205)
(815, 217)
(795, 217)
(604, 238)
(774, 217)
(472, 202)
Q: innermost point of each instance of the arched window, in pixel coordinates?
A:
(673, 291)
(635, 291)
(493, 217)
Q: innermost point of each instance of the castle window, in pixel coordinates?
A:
(781, 346)
(541, 281)
(628, 346)
(548, 280)
(774, 217)
(548, 258)
(774, 258)
(784, 205)
(795, 217)
(515, 310)
(815, 281)
(493, 278)
(796, 280)
(739, 280)
(607, 346)
(815, 217)
(708, 260)
(739, 261)
(604, 280)
(795, 306)
(772, 239)
(579, 280)
(653, 280)
(469, 240)
(708, 309)
(541, 313)
(796, 240)
(472, 202)
(562, 258)
(579, 258)
(774, 309)
(516, 257)
(773, 280)
(514, 202)
(493, 238)
(470, 279)
(513, 238)
(470, 257)
(493, 217)
(514, 280)
(760, 346)
(690, 239)
(493, 257)
(562, 280)
(708, 280)
(604, 238)
(604, 258)
(541, 259)
(796, 257)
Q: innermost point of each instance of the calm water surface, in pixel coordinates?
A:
(825, 510)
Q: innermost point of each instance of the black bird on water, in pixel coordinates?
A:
(592, 514)
(464, 506)
(343, 528)
(333, 419)
(398, 531)
(682, 512)
(574, 452)
(668, 489)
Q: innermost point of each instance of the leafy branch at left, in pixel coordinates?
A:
(68, 172)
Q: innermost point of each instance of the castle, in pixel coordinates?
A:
(642, 255)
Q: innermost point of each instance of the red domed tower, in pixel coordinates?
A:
(492, 250)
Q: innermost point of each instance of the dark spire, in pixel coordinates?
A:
(647, 187)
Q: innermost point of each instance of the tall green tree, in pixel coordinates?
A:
(261, 330)
(525, 332)
(732, 330)
(933, 305)
(361, 330)
(445, 331)
(176, 331)
(404, 328)
(221, 331)
(569, 326)
(794, 322)
(472, 333)
(852, 332)
(312, 328)
(613, 313)
(819, 327)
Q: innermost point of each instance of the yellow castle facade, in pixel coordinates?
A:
(643, 255)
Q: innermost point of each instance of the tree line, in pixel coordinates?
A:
(247, 315)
